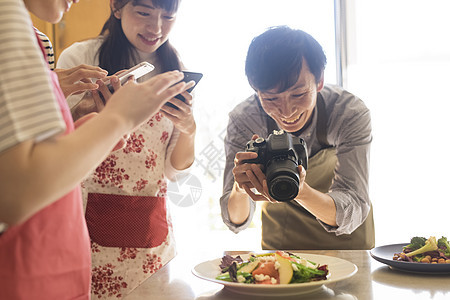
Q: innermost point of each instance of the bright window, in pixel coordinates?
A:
(399, 64)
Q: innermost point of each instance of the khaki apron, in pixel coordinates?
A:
(290, 226)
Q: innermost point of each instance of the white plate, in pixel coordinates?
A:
(339, 269)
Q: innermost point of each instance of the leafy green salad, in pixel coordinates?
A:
(271, 268)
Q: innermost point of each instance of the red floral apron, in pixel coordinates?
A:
(126, 212)
(47, 256)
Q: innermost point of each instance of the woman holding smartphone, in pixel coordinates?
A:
(44, 243)
(125, 197)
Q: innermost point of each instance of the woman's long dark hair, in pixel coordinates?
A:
(117, 53)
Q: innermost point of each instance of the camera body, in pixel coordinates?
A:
(280, 154)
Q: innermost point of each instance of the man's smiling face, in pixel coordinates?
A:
(292, 109)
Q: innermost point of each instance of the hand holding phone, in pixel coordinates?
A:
(137, 71)
(188, 76)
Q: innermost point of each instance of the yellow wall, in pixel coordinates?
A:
(84, 20)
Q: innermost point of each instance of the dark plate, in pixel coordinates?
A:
(384, 255)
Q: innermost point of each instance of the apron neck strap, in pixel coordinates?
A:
(322, 120)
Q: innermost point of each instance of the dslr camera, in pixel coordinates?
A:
(280, 154)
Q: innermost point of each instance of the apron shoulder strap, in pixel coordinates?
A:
(322, 120)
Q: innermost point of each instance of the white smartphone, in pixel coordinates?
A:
(137, 71)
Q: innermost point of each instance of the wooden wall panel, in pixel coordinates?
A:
(84, 20)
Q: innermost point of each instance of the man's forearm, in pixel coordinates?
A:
(321, 205)
(238, 205)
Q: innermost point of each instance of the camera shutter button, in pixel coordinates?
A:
(260, 141)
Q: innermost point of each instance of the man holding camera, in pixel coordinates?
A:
(332, 209)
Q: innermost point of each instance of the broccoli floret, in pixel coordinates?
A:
(417, 242)
(430, 245)
(444, 244)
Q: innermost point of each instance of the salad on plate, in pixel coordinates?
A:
(271, 268)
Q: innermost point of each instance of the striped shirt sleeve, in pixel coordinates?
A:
(28, 108)
(48, 48)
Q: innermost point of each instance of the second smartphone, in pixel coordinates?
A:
(188, 76)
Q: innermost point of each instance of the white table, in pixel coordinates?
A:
(373, 280)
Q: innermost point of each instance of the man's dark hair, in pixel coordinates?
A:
(275, 57)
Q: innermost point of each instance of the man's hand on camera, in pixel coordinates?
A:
(258, 180)
(240, 168)
(250, 176)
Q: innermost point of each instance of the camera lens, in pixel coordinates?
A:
(283, 188)
(282, 179)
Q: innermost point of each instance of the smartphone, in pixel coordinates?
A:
(188, 76)
(137, 71)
